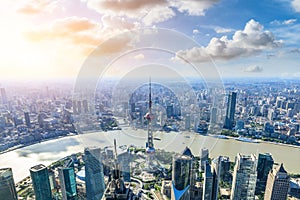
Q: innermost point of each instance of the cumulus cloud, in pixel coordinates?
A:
(158, 14)
(129, 8)
(193, 7)
(296, 5)
(249, 41)
(150, 11)
(253, 69)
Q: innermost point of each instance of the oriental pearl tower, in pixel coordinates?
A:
(150, 150)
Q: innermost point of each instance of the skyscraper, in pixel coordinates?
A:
(124, 164)
(27, 119)
(229, 118)
(181, 177)
(210, 185)
(7, 184)
(67, 183)
(150, 150)
(244, 178)
(222, 167)
(264, 165)
(116, 188)
(94, 177)
(40, 181)
(277, 184)
(3, 96)
(203, 158)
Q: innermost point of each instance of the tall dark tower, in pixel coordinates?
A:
(27, 119)
(150, 150)
(231, 103)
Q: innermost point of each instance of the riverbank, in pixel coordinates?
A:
(52, 150)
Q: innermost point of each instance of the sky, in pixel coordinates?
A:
(43, 39)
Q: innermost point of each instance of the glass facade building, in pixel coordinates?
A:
(181, 177)
(244, 178)
(67, 183)
(94, 176)
(40, 181)
(264, 166)
(7, 185)
(231, 103)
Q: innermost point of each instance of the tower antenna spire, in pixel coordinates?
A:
(150, 150)
(150, 98)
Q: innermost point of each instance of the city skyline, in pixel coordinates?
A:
(51, 39)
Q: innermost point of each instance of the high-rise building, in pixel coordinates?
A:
(264, 165)
(74, 105)
(79, 107)
(85, 106)
(150, 150)
(214, 115)
(244, 178)
(40, 181)
(170, 111)
(210, 185)
(203, 158)
(3, 96)
(7, 184)
(181, 177)
(124, 164)
(187, 124)
(94, 177)
(67, 183)
(222, 167)
(277, 184)
(27, 119)
(116, 188)
(230, 111)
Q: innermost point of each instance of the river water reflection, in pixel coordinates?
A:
(21, 160)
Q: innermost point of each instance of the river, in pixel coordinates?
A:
(20, 160)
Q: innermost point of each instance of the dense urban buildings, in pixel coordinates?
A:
(273, 115)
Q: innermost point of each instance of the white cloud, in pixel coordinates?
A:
(253, 39)
(158, 14)
(289, 21)
(253, 69)
(296, 5)
(136, 9)
(193, 7)
(150, 11)
(196, 31)
(223, 30)
(285, 22)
